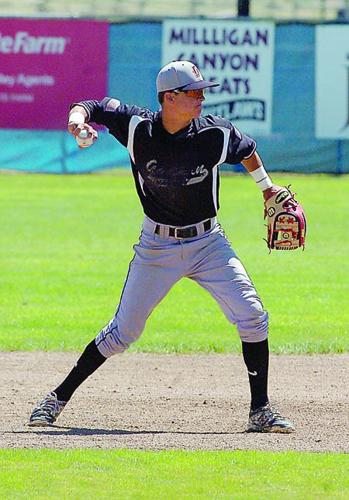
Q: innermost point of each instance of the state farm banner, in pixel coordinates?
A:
(239, 55)
(47, 64)
(332, 82)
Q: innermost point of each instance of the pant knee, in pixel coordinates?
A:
(111, 340)
(254, 328)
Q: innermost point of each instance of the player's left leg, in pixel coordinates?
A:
(217, 269)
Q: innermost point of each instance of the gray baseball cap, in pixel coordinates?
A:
(182, 75)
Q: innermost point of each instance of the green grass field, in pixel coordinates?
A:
(65, 247)
(76, 474)
(66, 243)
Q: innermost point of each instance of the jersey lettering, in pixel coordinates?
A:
(198, 175)
(173, 171)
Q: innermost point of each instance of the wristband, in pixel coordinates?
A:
(77, 118)
(261, 178)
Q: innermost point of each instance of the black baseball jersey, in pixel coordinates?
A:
(176, 175)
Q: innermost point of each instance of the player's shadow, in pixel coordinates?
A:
(86, 431)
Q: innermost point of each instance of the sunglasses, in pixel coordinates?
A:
(195, 94)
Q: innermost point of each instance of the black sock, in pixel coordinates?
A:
(89, 361)
(256, 357)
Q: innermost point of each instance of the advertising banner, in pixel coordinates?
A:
(45, 65)
(332, 82)
(238, 55)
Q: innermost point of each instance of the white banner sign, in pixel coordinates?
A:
(332, 82)
(237, 55)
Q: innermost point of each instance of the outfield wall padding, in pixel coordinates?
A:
(134, 60)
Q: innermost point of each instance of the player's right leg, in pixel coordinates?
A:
(156, 266)
(47, 410)
(153, 271)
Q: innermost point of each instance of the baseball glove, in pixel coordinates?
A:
(286, 221)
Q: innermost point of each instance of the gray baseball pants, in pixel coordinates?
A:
(160, 261)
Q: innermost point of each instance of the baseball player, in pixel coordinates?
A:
(175, 155)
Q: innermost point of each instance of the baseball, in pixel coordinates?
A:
(83, 139)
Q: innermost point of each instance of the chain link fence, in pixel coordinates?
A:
(120, 10)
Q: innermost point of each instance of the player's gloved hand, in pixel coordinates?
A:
(286, 219)
(268, 193)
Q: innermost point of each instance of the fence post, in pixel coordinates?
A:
(243, 8)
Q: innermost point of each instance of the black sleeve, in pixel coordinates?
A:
(240, 146)
(112, 114)
(236, 146)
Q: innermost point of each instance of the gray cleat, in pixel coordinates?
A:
(47, 411)
(267, 419)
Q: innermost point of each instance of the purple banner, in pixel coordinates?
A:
(47, 64)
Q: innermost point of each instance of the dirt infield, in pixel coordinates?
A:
(155, 402)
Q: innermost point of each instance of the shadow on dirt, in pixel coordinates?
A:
(85, 431)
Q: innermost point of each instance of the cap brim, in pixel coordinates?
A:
(203, 84)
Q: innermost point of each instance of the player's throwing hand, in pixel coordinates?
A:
(84, 133)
